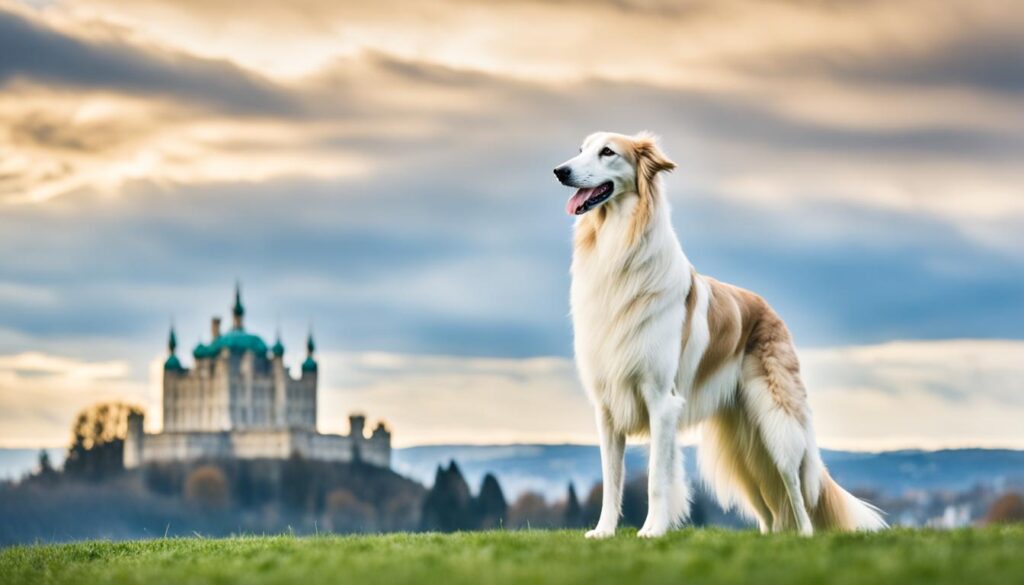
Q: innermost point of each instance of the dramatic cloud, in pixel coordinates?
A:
(41, 393)
(862, 104)
(897, 395)
(888, 396)
(937, 394)
(389, 180)
(34, 50)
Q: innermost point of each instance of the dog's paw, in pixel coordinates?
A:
(656, 525)
(651, 533)
(652, 529)
(599, 533)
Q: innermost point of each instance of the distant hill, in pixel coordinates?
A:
(549, 468)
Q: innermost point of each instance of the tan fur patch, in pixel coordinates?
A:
(773, 349)
(740, 321)
(649, 161)
(732, 313)
(586, 232)
(586, 236)
(691, 302)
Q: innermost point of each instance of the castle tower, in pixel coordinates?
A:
(133, 440)
(173, 373)
(280, 416)
(380, 440)
(307, 401)
(356, 425)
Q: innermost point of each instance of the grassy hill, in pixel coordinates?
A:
(548, 468)
(991, 555)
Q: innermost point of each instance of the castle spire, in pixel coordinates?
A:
(238, 310)
(172, 362)
(310, 364)
(278, 348)
(172, 341)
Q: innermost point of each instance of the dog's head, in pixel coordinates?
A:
(610, 165)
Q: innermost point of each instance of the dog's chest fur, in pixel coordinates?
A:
(629, 310)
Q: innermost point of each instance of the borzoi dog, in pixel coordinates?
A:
(661, 348)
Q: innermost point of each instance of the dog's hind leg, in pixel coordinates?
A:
(791, 479)
(775, 401)
(667, 500)
(613, 451)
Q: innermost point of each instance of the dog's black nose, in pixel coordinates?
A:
(563, 173)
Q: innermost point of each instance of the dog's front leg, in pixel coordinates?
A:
(667, 500)
(613, 451)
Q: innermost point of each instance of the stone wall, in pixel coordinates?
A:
(254, 444)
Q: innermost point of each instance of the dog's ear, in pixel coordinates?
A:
(650, 161)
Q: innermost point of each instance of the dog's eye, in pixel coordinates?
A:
(607, 151)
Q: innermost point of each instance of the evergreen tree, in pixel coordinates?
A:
(448, 505)
(46, 473)
(573, 510)
(491, 507)
(45, 468)
(296, 484)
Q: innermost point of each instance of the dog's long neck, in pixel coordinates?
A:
(627, 276)
(627, 230)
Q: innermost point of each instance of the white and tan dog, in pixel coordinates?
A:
(662, 348)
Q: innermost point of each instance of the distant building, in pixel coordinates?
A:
(240, 401)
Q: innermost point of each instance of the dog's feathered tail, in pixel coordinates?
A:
(743, 475)
(838, 509)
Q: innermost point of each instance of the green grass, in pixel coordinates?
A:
(993, 555)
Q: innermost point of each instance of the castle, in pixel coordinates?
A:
(240, 401)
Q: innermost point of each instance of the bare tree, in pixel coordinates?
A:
(207, 487)
(1007, 509)
(97, 441)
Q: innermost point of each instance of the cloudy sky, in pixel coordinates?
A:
(382, 169)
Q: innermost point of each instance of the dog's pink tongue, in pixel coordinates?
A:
(577, 200)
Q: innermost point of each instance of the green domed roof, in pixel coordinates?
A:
(201, 351)
(172, 363)
(278, 348)
(234, 340)
(238, 339)
(309, 365)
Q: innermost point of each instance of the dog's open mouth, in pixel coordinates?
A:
(588, 198)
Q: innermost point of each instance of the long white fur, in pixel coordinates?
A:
(641, 378)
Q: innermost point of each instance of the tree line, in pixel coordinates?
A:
(269, 495)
